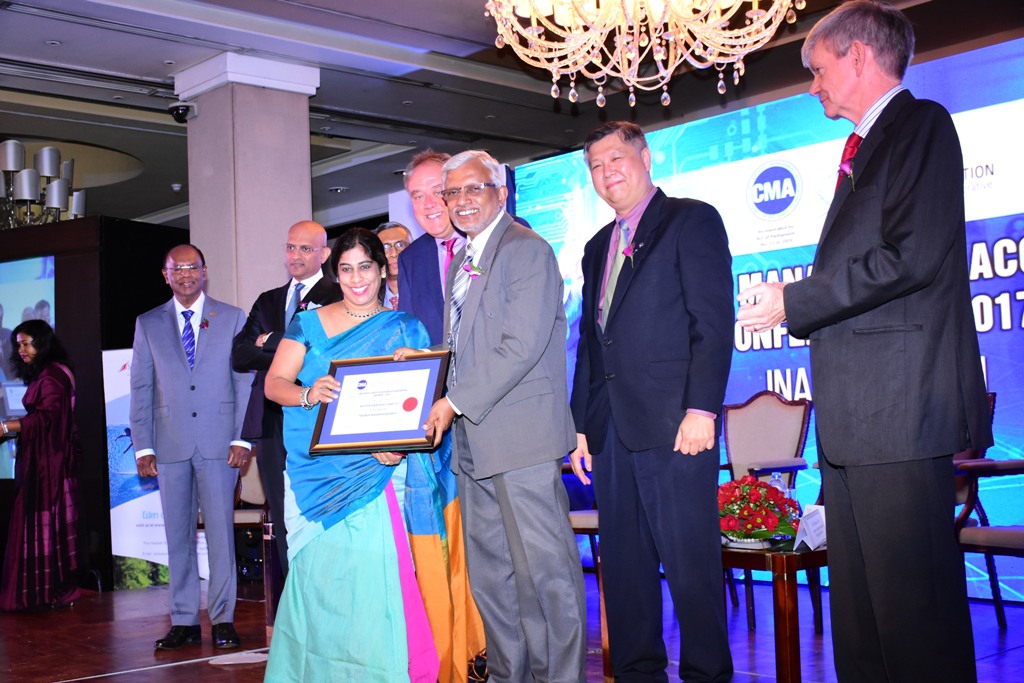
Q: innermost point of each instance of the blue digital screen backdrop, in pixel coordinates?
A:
(770, 170)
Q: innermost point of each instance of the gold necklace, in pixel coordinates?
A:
(364, 315)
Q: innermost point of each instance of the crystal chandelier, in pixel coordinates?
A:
(641, 42)
(38, 195)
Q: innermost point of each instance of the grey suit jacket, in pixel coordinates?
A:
(176, 410)
(510, 367)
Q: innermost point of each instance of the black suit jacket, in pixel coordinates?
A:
(267, 315)
(668, 343)
(894, 352)
(419, 285)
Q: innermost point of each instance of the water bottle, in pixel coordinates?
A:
(776, 482)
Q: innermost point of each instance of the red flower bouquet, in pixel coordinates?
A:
(751, 509)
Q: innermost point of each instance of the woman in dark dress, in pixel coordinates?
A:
(41, 560)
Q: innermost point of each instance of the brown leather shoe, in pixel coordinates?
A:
(179, 636)
(224, 636)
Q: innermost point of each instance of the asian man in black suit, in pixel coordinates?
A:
(653, 360)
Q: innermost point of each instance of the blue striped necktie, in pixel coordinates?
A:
(188, 339)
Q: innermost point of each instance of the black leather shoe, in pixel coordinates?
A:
(224, 636)
(178, 636)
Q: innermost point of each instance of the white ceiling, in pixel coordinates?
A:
(396, 75)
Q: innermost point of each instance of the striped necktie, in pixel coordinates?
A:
(460, 288)
(188, 339)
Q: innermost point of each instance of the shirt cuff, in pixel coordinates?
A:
(454, 407)
(697, 411)
(141, 453)
(244, 444)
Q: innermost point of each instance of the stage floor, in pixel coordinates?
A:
(109, 637)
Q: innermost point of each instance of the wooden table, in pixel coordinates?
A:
(783, 567)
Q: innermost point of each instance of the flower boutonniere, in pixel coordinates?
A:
(473, 271)
(204, 324)
(303, 305)
(631, 249)
(846, 168)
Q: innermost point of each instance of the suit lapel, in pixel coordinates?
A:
(864, 153)
(280, 300)
(643, 238)
(173, 333)
(207, 318)
(320, 292)
(477, 284)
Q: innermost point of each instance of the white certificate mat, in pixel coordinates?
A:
(380, 402)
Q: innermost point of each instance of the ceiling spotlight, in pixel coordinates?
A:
(338, 189)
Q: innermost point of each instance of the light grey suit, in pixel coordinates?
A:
(508, 444)
(189, 418)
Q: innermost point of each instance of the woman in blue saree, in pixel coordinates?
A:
(351, 607)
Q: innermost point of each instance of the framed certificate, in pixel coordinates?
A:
(381, 405)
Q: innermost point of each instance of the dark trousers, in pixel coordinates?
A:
(897, 591)
(661, 507)
(272, 460)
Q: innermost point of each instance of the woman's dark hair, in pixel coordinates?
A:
(48, 349)
(370, 243)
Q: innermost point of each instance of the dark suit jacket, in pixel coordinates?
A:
(267, 315)
(668, 342)
(419, 285)
(894, 352)
(510, 365)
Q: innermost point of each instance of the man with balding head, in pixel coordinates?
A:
(305, 253)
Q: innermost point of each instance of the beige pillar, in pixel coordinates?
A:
(248, 168)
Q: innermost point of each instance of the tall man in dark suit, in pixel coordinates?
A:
(186, 418)
(424, 265)
(506, 329)
(305, 253)
(653, 359)
(897, 379)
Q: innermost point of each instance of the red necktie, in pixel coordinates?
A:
(845, 164)
(394, 303)
(449, 244)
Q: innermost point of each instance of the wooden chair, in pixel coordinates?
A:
(984, 538)
(585, 523)
(763, 435)
(973, 529)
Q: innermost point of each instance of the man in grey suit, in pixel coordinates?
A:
(187, 407)
(506, 328)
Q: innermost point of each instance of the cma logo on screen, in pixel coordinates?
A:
(361, 384)
(773, 190)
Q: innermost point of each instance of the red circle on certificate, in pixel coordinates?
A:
(410, 404)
